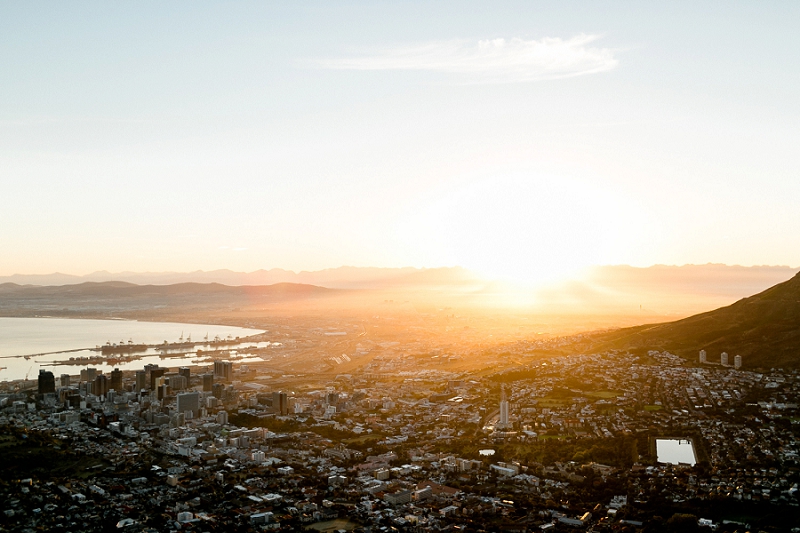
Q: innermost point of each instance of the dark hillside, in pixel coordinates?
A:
(764, 329)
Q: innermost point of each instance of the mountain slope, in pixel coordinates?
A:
(764, 329)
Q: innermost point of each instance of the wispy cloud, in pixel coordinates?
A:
(490, 61)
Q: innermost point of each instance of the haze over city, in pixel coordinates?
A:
(399, 267)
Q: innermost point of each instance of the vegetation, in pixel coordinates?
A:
(762, 329)
(41, 456)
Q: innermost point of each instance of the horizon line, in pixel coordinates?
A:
(407, 267)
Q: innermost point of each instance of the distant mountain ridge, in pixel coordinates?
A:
(110, 298)
(618, 290)
(764, 329)
(345, 277)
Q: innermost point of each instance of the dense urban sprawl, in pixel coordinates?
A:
(556, 444)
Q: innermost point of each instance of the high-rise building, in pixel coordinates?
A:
(703, 358)
(332, 398)
(222, 417)
(723, 358)
(737, 362)
(141, 380)
(88, 374)
(155, 374)
(280, 403)
(218, 391)
(208, 382)
(100, 388)
(115, 383)
(65, 380)
(186, 372)
(176, 382)
(177, 420)
(223, 370)
(47, 382)
(189, 401)
(503, 422)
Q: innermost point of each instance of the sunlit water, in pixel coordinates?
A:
(675, 451)
(30, 336)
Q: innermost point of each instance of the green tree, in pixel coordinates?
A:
(682, 522)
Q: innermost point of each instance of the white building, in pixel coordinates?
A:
(737, 362)
(503, 422)
(723, 359)
(703, 358)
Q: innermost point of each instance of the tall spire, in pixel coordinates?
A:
(503, 420)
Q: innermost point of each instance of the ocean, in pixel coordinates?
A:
(49, 341)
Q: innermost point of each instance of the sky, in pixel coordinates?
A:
(522, 140)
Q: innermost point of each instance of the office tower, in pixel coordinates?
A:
(737, 362)
(223, 370)
(703, 358)
(155, 374)
(88, 374)
(74, 399)
(189, 401)
(115, 382)
(176, 382)
(177, 420)
(141, 380)
(222, 417)
(65, 380)
(208, 382)
(218, 391)
(47, 382)
(186, 372)
(100, 388)
(280, 403)
(503, 423)
(332, 398)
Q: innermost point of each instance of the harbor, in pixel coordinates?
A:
(30, 344)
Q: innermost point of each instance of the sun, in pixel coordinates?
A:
(526, 229)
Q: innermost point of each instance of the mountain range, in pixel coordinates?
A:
(345, 277)
(117, 298)
(659, 290)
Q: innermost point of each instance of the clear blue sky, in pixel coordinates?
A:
(516, 138)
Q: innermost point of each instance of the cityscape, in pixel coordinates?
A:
(596, 441)
(399, 267)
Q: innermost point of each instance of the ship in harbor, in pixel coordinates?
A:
(181, 343)
(188, 343)
(122, 348)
